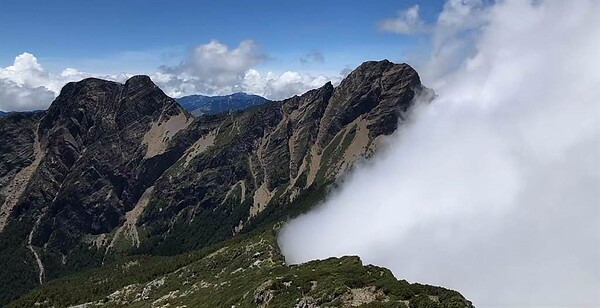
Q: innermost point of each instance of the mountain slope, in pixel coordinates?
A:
(117, 169)
(247, 271)
(200, 104)
(88, 169)
(246, 168)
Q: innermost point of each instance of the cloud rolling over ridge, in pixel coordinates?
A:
(492, 189)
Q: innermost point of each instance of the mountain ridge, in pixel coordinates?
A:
(202, 104)
(120, 169)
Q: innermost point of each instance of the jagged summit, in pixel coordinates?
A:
(140, 79)
(100, 93)
(96, 108)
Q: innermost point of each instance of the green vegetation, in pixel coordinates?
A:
(245, 271)
(16, 276)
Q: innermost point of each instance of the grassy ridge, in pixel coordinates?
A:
(246, 271)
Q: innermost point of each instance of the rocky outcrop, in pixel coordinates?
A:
(116, 168)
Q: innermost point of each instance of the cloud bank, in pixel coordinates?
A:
(216, 69)
(493, 189)
(212, 68)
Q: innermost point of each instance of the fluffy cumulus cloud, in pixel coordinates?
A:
(215, 68)
(407, 22)
(287, 84)
(492, 189)
(212, 68)
(25, 85)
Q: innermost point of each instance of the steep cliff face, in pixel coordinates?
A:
(248, 167)
(100, 139)
(17, 153)
(76, 169)
(114, 169)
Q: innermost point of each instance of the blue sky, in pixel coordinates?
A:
(271, 48)
(105, 36)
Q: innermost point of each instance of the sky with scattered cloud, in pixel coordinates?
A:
(195, 47)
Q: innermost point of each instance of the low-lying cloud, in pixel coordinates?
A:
(492, 189)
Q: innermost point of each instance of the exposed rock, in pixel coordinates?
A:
(263, 295)
(12, 192)
(360, 296)
(280, 151)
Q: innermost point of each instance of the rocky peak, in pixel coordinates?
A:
(378, 90)
(94, 108)
(142, 98)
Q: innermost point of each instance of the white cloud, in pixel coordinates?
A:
(460, 14)
(216, 69)
(280, 86)
(451, 34)
(14, 97)
(25, 85)
(493, 188)
(407, 22)
(214, 65)
(212, 68)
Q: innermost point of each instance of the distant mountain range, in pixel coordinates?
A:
(2, 113)
(201, 104)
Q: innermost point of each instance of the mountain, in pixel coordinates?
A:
(200, 104)
(114, 172)
(2, 113)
